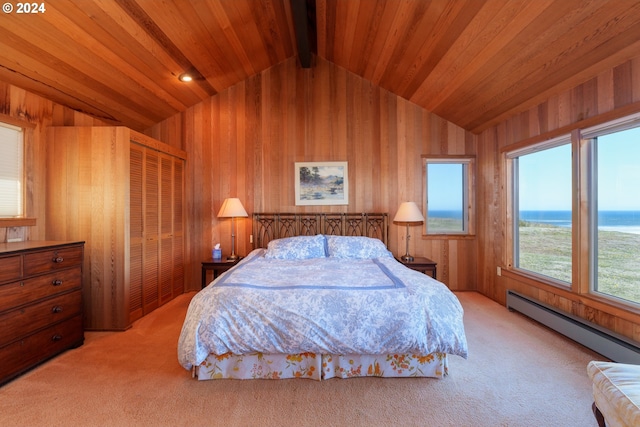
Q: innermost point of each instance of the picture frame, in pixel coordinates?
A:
(321, 183)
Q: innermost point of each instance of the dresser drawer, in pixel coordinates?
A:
(23, 354)
(22, 292)
(10, 268)
(30, 318)
(54, 259)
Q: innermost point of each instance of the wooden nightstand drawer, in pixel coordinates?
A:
(55, 259)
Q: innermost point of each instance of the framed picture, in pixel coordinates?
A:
(321, 183)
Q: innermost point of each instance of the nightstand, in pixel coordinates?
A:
(422, 264)
(217, 266)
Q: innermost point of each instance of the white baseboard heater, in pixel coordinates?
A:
(601, 340)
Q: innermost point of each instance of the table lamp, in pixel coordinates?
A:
(409, 214)
(232, 208)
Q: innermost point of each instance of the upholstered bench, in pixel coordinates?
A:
(616, 393)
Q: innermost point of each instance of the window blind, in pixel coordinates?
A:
(11, 171)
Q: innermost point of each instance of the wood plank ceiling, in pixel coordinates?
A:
(473, 62)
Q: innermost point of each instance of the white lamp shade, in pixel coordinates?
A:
(408, 212)
(232, 208)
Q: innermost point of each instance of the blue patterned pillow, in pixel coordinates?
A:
(356, 247)
(299, 247)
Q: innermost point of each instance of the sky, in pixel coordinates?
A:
(545, 177)
(545, 180)
(441, 197)
(619, 171)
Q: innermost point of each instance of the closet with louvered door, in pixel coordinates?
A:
(157, 259)
(166, 228)
(171, 227)
(157, 249)
(123, 193)
(150, 245)
(136, 197)
(178, 227)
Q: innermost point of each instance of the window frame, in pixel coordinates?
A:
(28, 131)
(469, 167)
(584, 217)
(512, 197)
(588, 141)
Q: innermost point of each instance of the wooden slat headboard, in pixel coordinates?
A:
(270, 226)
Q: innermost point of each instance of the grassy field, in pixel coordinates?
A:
(444, 225)
(547, 250)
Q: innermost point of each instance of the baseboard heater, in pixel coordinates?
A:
(601, 340)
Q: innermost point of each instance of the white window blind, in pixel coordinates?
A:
(11, 171)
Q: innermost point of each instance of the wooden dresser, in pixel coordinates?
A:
(40, 303)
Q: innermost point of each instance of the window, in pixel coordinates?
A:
(448, 194)
(542, 209)
(574, 210)
(11, 171)
(615, 211)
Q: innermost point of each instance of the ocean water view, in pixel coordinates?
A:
(621, 221)
(456, 214)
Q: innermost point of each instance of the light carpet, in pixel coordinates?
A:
(518, 374)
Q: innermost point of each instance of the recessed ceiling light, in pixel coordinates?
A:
(185, 77)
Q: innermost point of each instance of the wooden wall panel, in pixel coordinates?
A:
(94, 212)
(32, 110)
(613, 94)
(244, 142)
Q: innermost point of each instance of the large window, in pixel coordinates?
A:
(448, 194)
(616, 212)
(11, 171)
(574, 210)
(542, 210)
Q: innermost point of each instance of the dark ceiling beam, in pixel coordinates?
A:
(304, 12)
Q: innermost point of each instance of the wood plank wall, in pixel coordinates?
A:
(244, 141)
(28, 109)
(613, 94)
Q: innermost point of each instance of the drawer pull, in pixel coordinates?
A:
(58, 259)
(57, 282)
(57, 309)
(56, 337)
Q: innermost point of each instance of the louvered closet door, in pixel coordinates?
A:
(166, 229)
(151, 250)
(178, 232)
(136, 206)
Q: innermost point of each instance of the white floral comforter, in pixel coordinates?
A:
(323, 306)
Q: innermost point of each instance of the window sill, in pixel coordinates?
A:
(534, 279)
(17, 222)
(448, 236)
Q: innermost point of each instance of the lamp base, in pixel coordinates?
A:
(406, 258)
(232, 257)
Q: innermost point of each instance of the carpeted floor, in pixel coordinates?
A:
(518, 374)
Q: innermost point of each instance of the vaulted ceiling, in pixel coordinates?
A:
(472, 62)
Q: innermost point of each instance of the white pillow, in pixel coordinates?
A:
(356, 247)
(299, 247)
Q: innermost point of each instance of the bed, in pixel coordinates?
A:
(321, 297)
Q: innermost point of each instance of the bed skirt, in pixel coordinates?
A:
(320, 367)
